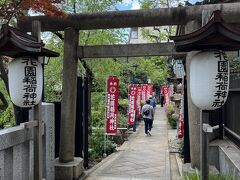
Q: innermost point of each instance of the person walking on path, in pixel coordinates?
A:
(162, 99)
(148, 115)
(153, 103)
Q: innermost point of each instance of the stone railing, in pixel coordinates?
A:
(15, 153)
(16, 148)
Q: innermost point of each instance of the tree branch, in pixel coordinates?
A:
(88, 70)
(155, 37)
(156, 28)
(58, 34)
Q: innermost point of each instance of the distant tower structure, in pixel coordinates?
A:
(151, 34)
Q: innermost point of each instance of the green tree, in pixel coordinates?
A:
(154, 68)
(10, 10)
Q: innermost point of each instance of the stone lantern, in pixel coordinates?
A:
(25, 71)
(209, 71)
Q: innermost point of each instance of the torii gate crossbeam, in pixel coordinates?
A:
(131, 18)
(106, 20)
(128, 50)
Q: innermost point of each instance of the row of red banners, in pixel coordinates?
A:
(135, 96)
(166, 91)
(146, 91)
(166, 94)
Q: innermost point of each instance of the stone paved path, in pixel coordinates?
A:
(142, 157)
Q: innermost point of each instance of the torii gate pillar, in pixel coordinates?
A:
(193, 111)
(68, 167)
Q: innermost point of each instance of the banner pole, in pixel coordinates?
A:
(104, 133)
(105, 145)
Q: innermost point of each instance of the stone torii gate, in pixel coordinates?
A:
(118, 19)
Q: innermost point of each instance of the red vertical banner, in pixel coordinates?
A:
(133, 89)
(180, 126)
(150, 90)
(144, 92)
(139, 98)
(166, 94)
(112, 105)
(181, 119)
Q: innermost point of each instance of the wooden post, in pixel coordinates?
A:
(221, 121)
(79, 118)
(193, 111)
(204, 170)
(36, 31)
(69, 95)
(186, 146)
(204, 118)
(85, 121)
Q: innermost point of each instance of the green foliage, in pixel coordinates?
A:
(99, 37)
(102, 69)
(158, 34)
(97, 118)
(234, 64)
(124, 82)
(3, 89)
(172, 118)
(196, 176)
(123, 106)
(96, 141)
(122, 120)
(122, 113)
(170, 108)
(53, 71)
(149, 4)
(53, 80)
(7, 117)
(181, 147)
(187, 3)
(90, 5)
(96, 145)
(4, 93)
(98, 109)
(154, 68)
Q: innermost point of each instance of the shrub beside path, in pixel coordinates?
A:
(142, 157)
